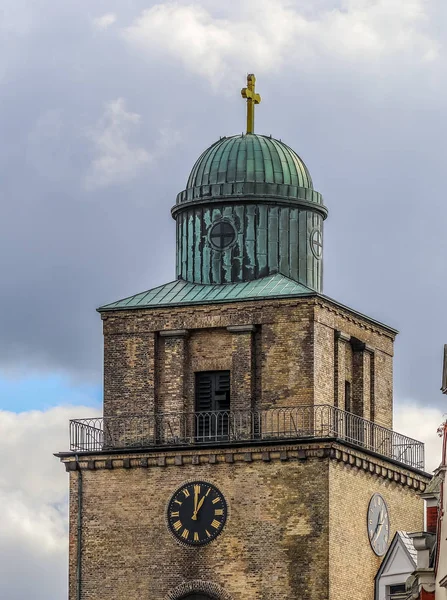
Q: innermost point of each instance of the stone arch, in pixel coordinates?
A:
(212, 590)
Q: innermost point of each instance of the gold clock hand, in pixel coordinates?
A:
(196, 510)
(199, 506)
(196, 498)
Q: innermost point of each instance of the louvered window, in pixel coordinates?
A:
(212, 405)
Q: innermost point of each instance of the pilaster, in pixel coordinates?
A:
(173, 364)
(129, 373)
(243, 366)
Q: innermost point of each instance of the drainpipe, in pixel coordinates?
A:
(79, 533)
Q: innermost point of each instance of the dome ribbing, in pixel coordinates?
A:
(249, 158)
(247, 165)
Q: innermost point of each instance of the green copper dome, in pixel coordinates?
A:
(249, 211)
(247, 165)
(249, 158)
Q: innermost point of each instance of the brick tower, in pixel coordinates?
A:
(246, 449)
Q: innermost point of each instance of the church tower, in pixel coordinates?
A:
(246, 449)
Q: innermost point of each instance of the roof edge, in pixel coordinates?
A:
(306, 294)
(111, 308)
(359, 314)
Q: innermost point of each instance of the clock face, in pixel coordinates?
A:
(197, 513)
(378, 524)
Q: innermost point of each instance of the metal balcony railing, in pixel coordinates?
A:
(226, 427)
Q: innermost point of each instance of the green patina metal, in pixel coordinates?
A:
(268, 239)
(178, 293)
(250, 164)
(249, 225)
(184, 293)
(262, 189)
(249, 157)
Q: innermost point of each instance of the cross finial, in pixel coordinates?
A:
(252, 99)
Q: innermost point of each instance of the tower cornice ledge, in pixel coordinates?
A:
(141, 305)
(255, 198)
(333, 450)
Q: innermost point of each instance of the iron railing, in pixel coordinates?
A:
(224, 427)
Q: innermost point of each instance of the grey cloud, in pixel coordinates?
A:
(371, 130)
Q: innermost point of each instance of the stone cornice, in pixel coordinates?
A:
(346, 313)
(302, 452)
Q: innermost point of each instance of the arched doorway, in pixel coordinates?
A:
(198, 590)
(197, 597)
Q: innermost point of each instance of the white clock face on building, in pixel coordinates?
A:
(378, 521)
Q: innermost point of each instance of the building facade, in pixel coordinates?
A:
(429, 579)
(246, 449)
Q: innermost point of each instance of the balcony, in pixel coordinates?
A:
(229, 427)
(232, 427)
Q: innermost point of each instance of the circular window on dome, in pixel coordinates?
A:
(222, 235)
(316, 243)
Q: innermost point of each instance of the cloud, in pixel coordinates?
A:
(369, 124)
(265, 35)
(421, 423)
(117, 160)
(104, 21)
(34, 489)
(34, 503)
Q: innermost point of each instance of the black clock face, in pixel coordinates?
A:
(197, 513)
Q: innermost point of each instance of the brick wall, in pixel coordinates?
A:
(353, 564)
(275, 537)
(129, 372)
(294, 352)
(296, 523)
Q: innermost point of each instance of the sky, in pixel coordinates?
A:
(105, 106)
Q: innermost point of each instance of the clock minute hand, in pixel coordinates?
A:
(196, 497)
(380, 522)
(197, 508)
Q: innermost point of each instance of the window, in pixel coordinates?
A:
(222, 235)
(212, 405)
(396, 592)
(347, 396)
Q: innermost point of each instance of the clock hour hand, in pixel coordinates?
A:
(199, 506)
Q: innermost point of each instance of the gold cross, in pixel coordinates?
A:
(252, 99)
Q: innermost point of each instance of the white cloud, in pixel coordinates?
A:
(104, 21)
(421, 423)
(34, 489)
(117, 160)
(264, 35)
(33, 503)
